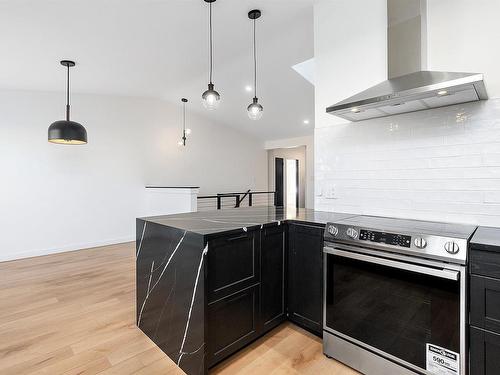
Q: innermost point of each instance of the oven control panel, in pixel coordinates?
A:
(386, 238)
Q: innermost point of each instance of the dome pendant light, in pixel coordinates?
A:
(211, 98)
(185, 132)
(67, 132)
(255, 110)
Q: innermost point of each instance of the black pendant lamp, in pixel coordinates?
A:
(211, 98)
(185, 132)
(255, 110)
(67, 132)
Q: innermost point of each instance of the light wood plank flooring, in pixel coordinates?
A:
(74, 313)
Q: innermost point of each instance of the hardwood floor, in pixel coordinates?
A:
(74, 313)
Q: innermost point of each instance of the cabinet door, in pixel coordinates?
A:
(272, 250)
(484, 263)
(485, 303)
(233, 263)
(305, 277)
(484, 352)
(232, 323)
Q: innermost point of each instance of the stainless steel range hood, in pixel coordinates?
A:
(417, 90)
(412, 92)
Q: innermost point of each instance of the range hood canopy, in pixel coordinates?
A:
(410, 86)
(412, 92)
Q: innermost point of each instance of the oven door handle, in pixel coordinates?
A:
(438, 272)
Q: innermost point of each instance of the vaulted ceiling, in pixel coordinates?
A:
(159, 48)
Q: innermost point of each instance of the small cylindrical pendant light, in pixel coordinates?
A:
(255, 110)
(67, 132)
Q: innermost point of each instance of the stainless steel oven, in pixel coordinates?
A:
(391, 304)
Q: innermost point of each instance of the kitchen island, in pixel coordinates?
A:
(209, 283)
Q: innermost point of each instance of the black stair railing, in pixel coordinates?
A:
(239, 198)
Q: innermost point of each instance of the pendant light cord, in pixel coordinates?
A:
(184, 118)
(210, 27)
(67, 95)
(254, 61)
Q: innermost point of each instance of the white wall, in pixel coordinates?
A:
(308, 142)
(350, 51)
(55, 197)
(463, 36)
(442, 164)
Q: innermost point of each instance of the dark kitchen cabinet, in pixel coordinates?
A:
(484, 352)
(259, 278)
(233, 263)
(273, 260)
(233, 294)
(485, 303)
(305, 276)
(232, 323)
(484, 333)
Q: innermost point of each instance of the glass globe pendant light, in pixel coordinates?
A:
(211, 98)
(67, 132)
(255, 110)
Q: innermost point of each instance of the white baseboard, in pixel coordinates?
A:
(63, 249)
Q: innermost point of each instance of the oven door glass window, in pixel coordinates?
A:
(393, 310)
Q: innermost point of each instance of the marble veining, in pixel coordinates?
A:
(181, 352)
(142, 239)
(170, 292)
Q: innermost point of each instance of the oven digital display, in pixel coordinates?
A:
(387, 238)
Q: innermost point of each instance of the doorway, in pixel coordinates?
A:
(292, 183)
(287, 176)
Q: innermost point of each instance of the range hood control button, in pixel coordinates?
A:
(420, 242)
(353, 233)
(451, 247)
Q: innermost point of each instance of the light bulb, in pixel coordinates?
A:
(188, 131)
(211, 98)
(255, 110)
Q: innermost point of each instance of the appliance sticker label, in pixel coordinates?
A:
(441, 361)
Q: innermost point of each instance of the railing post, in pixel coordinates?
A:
(218, 202)
(237, 201)
(250, 200)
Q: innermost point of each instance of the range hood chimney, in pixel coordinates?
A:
(410, 86)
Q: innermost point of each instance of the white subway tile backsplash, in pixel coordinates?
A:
(441, 164)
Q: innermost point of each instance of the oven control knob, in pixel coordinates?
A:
(353, 233)
(420, 242)
(451, 247)
(333, 230)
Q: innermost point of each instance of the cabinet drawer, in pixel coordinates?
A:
(232, 323)
(484, 352)
(485, 263)
(485, 303)
(233, 264)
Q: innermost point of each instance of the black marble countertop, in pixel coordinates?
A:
(221, 221)
(487, 239)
